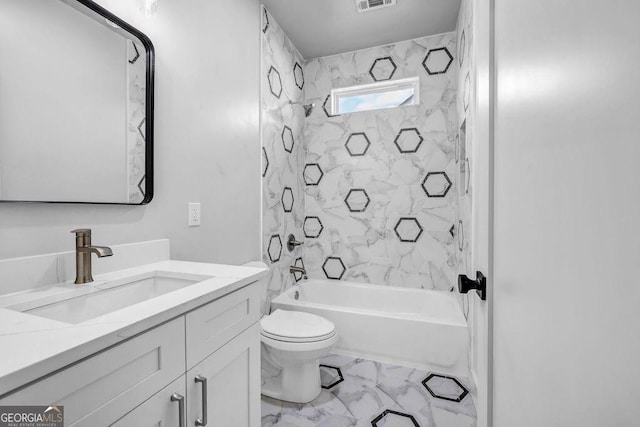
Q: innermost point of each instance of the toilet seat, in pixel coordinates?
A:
(296, 327)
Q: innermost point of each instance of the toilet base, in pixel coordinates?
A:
(291, 371)
(299, 383)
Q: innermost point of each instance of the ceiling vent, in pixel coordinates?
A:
(369, 5)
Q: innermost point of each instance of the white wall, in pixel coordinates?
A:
(207, 143)
(567, 204)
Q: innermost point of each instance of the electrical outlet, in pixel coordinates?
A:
(194, 214)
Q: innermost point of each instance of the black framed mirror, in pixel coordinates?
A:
(76, 105)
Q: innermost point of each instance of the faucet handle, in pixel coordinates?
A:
(82, 232)
(292, 242)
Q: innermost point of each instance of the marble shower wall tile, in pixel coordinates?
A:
(136, 137)
(381, 186)
(464, 140)
(282, 153)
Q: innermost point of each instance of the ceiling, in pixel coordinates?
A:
(327, 27)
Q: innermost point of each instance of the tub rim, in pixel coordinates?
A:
(286, 298)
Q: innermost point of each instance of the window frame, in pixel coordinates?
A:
(371, 88)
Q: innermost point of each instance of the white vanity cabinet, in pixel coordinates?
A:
(102, 388)
(132, 383)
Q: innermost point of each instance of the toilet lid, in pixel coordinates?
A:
(296, 326)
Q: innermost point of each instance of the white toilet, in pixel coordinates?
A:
(292, 344)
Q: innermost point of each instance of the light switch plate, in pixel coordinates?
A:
(194, 214)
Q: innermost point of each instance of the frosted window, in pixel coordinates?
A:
(377, 96)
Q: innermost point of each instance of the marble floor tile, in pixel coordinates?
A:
(363, 393)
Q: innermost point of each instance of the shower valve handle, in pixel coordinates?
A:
(292, 242)
(479, 284)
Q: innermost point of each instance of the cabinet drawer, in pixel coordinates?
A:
(211, 326)
(102, 388)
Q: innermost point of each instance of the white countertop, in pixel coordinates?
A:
(32, 346)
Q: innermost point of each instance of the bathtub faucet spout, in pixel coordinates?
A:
(293, 270)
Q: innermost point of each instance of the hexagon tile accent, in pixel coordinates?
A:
(266, 21)
(333, 268)
(287, 139)
(298, 263)
(467, 180)
(408, 229)
(436, 184)
(357, 200)
(142, 185)
(408, 140)
(357, 144)
(312, 227)
(330, 376)
(437, 61)
(136, 55)
(265, 163)
(395, 419)
(275, 84)
(287, 199)
(298, 76)
(461, 49)
(312, 174)
(382, 69)
(275, 248)
(444, 387)
(467, 92)
(326, 108)
(142, 128)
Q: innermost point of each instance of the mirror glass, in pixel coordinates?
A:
(76, 105)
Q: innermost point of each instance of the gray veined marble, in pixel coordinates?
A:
(283, 153)
(465, 120)
(359, 393)
(375, 165)
(136, 137)
(346, 182)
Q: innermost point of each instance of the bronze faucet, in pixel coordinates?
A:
(83, 255)
(293, 269)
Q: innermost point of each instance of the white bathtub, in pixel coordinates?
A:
(411, 327)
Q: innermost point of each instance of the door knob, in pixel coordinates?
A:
(479, 284)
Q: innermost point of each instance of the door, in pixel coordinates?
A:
(161, 410)
(476, 204)
(567, 209)
(224, 389)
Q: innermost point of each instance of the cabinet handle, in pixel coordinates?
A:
(203, 421)
(175, 397)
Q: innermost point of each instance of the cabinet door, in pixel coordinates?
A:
(160, 410)
(232, 384)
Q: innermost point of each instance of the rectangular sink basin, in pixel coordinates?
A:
(112, 296)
